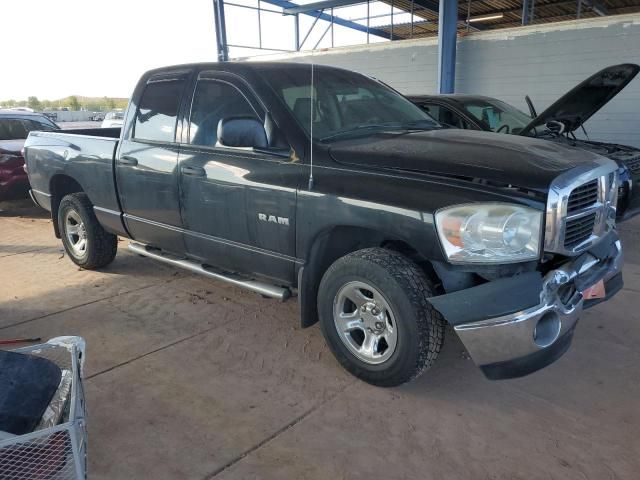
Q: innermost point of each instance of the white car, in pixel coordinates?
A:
(113, 120)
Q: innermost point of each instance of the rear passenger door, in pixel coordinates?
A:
(238, 204)
(147, 165)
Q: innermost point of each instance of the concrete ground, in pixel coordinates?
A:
(193, 379)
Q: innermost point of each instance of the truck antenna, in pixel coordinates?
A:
(311, 133)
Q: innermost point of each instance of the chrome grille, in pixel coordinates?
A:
(582, 197)
(581, 207)
(579, 230)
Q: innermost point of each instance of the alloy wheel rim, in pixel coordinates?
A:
(365, 322)
(76, 233)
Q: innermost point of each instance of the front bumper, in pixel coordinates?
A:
(514, 326)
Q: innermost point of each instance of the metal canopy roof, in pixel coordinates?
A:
(508, 13)
(311, 24)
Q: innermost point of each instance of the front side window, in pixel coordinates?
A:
(158, 111)
(497, 115)
(213, 101)
(344, 102)
(41, 124)
(445, 115)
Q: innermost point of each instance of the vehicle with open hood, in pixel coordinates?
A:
(558, 123)
(294, 179)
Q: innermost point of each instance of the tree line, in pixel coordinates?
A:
(74, 102)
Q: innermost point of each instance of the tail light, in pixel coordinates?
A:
(24, 166)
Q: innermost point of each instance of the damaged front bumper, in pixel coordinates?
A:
(514, 326)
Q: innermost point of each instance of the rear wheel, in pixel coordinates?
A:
(376, 319)
(85, 241)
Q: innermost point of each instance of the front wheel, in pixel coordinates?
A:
(85, 241)
(376, 319)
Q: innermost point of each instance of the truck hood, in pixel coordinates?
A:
(580, 103)
(465, 154)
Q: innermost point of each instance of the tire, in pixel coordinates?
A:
(99, 248)
(399, 334)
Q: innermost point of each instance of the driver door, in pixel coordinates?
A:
(238, 205)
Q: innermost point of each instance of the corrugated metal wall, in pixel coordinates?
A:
(543, 61)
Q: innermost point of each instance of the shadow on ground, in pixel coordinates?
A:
(22, 207)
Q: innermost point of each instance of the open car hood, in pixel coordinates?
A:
(581, 102)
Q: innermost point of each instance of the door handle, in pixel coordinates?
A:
(128, 161)
(193, 171)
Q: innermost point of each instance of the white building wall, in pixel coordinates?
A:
(542, 61)
(73, 116)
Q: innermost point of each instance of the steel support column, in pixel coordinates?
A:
(527, 11)
(447, 36)
(221, 30)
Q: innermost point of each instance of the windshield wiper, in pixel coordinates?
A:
(355, 130)
(420, 125)
(416, 125)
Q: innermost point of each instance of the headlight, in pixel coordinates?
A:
(614, 181)
(489, 233)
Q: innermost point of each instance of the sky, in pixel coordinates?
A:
(97, 48)
(101, 47)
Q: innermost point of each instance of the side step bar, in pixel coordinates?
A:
(262, 288)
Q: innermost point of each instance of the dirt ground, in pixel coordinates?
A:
(188, 378)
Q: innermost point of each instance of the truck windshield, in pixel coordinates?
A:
(497, 115)
(344, 103)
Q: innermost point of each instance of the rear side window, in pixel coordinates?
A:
(158, 111)
(11, 129)
(213, 101)
(17, 128)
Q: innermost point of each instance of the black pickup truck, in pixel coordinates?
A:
(316, 181)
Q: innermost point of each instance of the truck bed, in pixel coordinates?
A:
(84, 156)
(95, 132)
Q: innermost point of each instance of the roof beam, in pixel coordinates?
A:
(434, 7)
(309, 7)
(337, 20)
(596, 6)
(430, 5)
(571, 4)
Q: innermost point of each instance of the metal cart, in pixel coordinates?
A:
(57, 451)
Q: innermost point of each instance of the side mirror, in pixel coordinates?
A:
(243, 132)
(555, 127)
